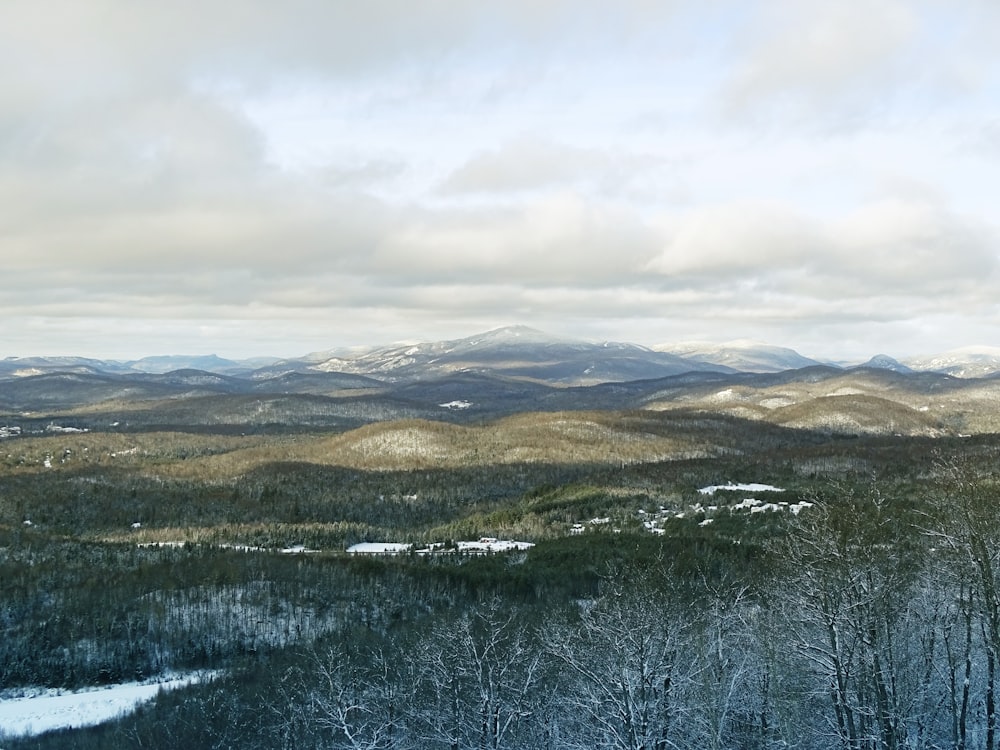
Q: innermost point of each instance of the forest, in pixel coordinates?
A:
(859, 608)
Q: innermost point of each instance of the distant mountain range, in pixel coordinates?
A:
(742, 356)
(516, 352)
(499, 374)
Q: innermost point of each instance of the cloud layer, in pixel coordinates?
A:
(251, 178)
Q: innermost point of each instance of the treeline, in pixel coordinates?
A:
(105, 502)
(74, 614)
(78, 613)
(872, 624)
(87, 493)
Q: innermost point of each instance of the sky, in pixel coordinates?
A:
(248, 178)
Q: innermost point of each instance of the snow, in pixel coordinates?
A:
(378, 548)
(777, 402)
(54, 709)
(242, 547)
(489, 544)
(766, 507)
(456, 405)
(710, 512)
(847, 391)
(64, 430)
(297, 549)
(752, 487)
(485, 544)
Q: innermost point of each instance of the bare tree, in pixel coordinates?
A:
(625, 669)
(966, 525)
(345, 698)
(731, 679)
(478, 677)
(856, 619)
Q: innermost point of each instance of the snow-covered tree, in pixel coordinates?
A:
(857, 621)
(345, 696)
(478, 678)
(626, 671)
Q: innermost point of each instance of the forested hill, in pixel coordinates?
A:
(857, 401)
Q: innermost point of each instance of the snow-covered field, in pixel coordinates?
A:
(57, 709)
(458, 404)
(752, 487)
(484, 545)
(489, 544)
(379, 548)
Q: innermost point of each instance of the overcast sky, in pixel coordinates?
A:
(277, 178)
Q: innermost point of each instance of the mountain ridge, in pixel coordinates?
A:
(514, 351)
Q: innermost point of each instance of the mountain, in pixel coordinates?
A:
(19, 367)
(519, 352)
(69, 389)
(27, 366)
(208, 363)
(967, 362)
(861, 400)
(885, 362)
(855, 401)
(741, 355)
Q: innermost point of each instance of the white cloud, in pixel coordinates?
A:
(884, 249)
(529, 163)
(918, 247)
(560, 235)
(724, 241)
(451, 164)
(823, 56)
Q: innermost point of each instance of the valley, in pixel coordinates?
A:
(561, 545)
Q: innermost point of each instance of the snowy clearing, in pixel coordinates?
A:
(484, 545)
(489, 544)
(456, 405)
(65, 430)
(378, 548)
(739, 488)
(55, 709)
